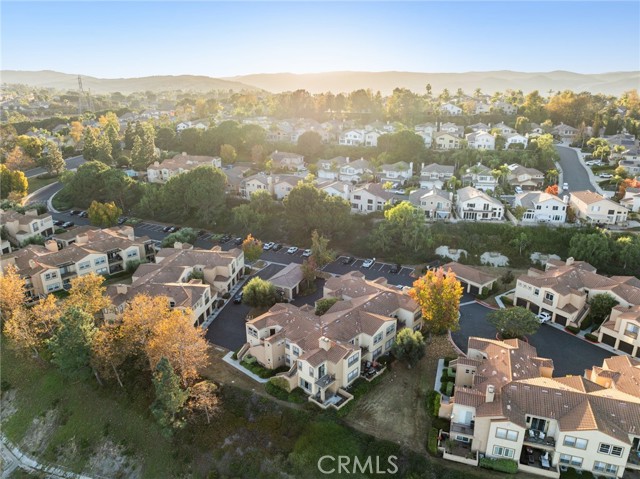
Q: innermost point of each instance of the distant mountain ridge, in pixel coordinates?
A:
(613, 83)
(67, 81)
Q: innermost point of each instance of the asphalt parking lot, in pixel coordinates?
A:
(570, 354)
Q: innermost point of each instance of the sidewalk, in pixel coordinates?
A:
(236, 364)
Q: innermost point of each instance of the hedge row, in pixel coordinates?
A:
(502, 465)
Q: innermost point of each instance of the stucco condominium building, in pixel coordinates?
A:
(325, 353)
(21, 227)
(507, 404)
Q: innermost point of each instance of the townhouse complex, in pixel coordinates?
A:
(51, 267)
(161, 172)
(507, 404)
(325, 354)
(21, 227)
(191, 279)
(563, 290)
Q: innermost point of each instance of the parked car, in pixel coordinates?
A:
(238, 241)
(201, 233)
(347, 260)
(292, 250)
(68, 224)
(122, 220)
(605, 175)
(368, 263)
(593, 163)
(543, 317)
(395, 268)
(518, 190)
(565, 186)
(237, 299)
(83, 214)
(166, 229)
(277, 247)
(74, 212)
(225, 238)
(306, 253)
(173, 229)
(57, 222)
(268, 246)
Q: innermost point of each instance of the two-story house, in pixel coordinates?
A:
(161, 172)
(563, 131)
(435, 203)
(525, 178)
(343, 169)
(622, 330)
(504, 129)
(253, 183)
(513, 139)
(473, 205)
(359, 138)
(480, 177)
(481, 140)
(451, 109)
(541, 207)
(435, 175)
(594, 208)
(631, 199)
(368, 198)
(287, 161)
(446, 141)
(21, 227)
(505, 107)
(398, 172)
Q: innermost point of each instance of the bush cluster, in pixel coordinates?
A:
(502, 465)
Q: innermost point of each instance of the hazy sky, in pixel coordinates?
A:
(126, 39)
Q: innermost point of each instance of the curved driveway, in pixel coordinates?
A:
(570, 354)
(573, 171)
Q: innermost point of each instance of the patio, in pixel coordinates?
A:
(371, 370)
(337, 400)
(539, 438)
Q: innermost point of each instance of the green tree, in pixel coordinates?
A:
(320, 250)
(170, 398)
(629, 252)
(259, 293)
(143, 152)
(252, 249)
(438, 295)
(111, 131)
(409, 346)
(594, 248)
(52, 159)
(522, 242)
(184, 235)
(514, 322)
(323, 305)
(522, 125)
(310, 145)
(12, 183)
(228, 154)
(104, 214)
(71, 344)
(402, 146)
(600, 306)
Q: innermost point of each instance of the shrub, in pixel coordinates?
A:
(441, 423)
(502, 465)
(432, 442)
(507, 277)
(4, 386)
(432, 403)
(234, 356)
(276, 391)
(591, 337)
(572, 329)
(323, 305)
(507, 301)
(450, 386)
(586, 323)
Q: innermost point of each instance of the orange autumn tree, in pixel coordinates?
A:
(627, 183)
(438, 295)
(29, 329)
(11, 292)
(88, 294)
(552, 190)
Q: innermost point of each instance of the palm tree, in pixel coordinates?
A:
(477, 93)
(552, 176)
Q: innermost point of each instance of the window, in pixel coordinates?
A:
(632, 330)
(352, 375)
(555, 208)
(575, 442)
(604, 467)
(574, 461)
(377, 338)
(101, 271)
(131, 254)
(353, 359)
(310, 371)
(502, 433)
(296, 351)
(536, 292)
(548, 296)
(356, 197)
(391, 329)
(377, 353)
(502, 451)
(84, 265)
(53, 287)
(610, 449)
(100, 261)
(388, 344)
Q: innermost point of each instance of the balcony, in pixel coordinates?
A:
(326, 380)
(537, 461)
(456, 451)
(462, 428)
(115, 259)
(547, 301)
(67, 273)
(539, 439)
(633, 462)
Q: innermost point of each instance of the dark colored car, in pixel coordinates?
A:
(122, 220)
(225, 239)
(277, 247)
(173, 229)
(74, 212)
(237, 299)
(395, 268)
(347, 260)
(238, 241)
(57, 222)
(167, 229)
(68, 224)
(83, 214)
(201, 233)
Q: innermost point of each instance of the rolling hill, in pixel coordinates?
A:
(66, 81)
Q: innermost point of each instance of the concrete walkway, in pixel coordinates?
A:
(438, 383)
(13, 458)
(236, 364)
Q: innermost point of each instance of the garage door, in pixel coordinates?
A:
(561, 320)
(464, 285)
(625, 347)
(474, 290)
(609, 340)
(521, 302)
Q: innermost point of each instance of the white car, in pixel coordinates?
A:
(368, 263)
(543, 317)
(518, 190)
(565, 186)
(268, 246)
(292, 250)
(306, 253)
(605, 175)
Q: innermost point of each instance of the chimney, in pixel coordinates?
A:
(122, 288)
(51, 245)
(82, 239)
(565, 199)
(346, 189)
(325, 343)
(177, 245)
(490, 394)
(347, 159)
(32, 264)
(570, 261)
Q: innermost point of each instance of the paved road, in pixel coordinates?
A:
(570, 354)
(72, 163)
(43, 194)
(573, 171)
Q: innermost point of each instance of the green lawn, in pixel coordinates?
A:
(37, 183)
(88, 414)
